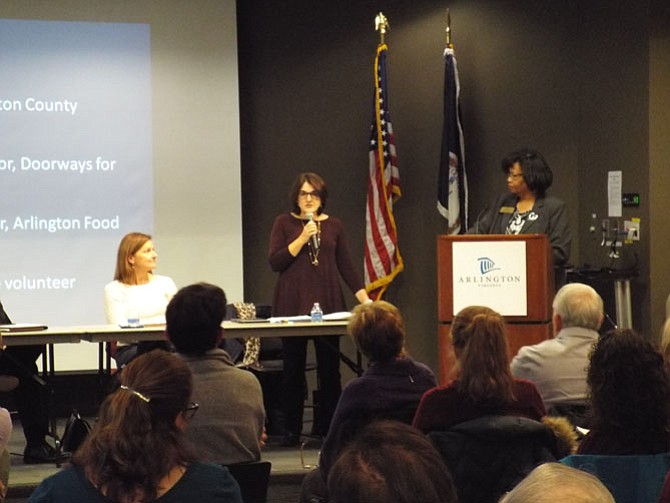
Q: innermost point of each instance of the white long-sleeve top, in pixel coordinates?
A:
(147, 301)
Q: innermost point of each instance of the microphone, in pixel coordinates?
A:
(475, 228)
(313, 238)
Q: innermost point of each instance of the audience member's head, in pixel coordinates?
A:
(137, 438)
(390, 462)
(480, 345)
(577, 305)
(628, 384)
(193, 318)
(378, 330)
(554, 482)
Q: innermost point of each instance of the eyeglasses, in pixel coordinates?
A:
(514, 176)
(304, 194)
(190, 411)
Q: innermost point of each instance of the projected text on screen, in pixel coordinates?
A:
(75, 162)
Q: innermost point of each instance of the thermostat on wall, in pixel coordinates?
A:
(630, 199)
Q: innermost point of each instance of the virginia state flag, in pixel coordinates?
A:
(452, 187)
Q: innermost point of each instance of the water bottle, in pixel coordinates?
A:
(133, 318)
(316, 313)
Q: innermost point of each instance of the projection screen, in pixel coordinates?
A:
(115, 120)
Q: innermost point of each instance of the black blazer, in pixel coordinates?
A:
(4, 319)
(548, 216)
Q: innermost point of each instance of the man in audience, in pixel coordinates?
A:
(552, 482)
(229, 425)
(558, 366)
(17, 364)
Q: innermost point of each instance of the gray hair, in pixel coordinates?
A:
(553, 482)
(579, 305)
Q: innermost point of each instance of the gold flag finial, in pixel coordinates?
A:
(448, 30)
(381, 25)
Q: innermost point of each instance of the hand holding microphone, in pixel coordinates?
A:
(313, 238)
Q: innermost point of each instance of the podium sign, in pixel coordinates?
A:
(512, 274)
(490, 274)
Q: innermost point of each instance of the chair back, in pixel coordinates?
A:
(630, 479)
(253, 479)
(490, 455)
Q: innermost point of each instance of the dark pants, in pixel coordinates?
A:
(31, 396)
(294, 351)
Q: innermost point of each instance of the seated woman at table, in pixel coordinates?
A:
(137, 451)
(136, 292)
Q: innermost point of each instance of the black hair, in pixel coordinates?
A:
(536, 171)
(193, 318)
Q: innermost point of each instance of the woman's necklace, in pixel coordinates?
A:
(314, 254)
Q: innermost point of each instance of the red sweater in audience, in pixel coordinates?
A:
(443, 407)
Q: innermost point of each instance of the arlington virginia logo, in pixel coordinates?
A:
(490, 275)
(486, 265)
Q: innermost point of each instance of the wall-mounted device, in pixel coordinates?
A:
(630, 199)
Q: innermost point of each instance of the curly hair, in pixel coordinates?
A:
(480, 344)
(629, 387)
(135, 442)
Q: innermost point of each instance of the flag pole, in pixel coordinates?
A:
(448, 30)
(381, 25)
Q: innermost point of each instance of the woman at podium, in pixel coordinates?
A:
(526, 208)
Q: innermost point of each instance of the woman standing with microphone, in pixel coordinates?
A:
(308, 249)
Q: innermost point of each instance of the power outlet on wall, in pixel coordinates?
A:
(632, 228)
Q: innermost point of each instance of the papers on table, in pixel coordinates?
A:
(338, 316)
(22, 327)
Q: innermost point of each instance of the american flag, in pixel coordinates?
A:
(452, 187)
(382, 257)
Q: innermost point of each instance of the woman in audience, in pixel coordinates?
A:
(554, 482)
(390, 388)
(390, 462)
(136, 451)
(630, 397)
(484, 385)
(136, 292)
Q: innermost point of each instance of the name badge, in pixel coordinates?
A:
(506, 209)
(533, 216)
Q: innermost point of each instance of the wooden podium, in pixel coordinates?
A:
(513, 274)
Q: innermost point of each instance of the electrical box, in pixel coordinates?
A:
(630, 199)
